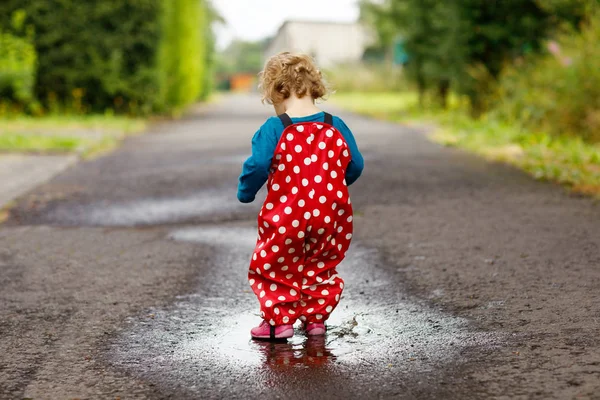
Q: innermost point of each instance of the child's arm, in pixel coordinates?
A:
(255, 171)
(357, 164)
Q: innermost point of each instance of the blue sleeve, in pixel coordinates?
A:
(255, 171)
(357, 164)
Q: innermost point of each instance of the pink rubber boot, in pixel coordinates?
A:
(315, 328)
(266, 331)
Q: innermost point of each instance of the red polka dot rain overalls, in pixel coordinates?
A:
(304, 226)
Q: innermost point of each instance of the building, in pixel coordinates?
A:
(329, 43)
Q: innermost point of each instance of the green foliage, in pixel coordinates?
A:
(40, 143)
(18, 63)
(17, 68)
(436, 43)
(563, 159)
(537, 109)
(378, 15)
(93, 55)
(98, 55)
(462, 44)
(72, 123)
(498, 32)
(182, 62)
(568, 12)
(558, 93)
(85, 134)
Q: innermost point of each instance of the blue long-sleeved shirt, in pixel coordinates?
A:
(255, 171)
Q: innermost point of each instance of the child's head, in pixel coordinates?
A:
(287, 74)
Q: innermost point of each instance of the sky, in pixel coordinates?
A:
(257, 19)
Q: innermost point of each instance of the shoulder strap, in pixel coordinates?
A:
(286, 120)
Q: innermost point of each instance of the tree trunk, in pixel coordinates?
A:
(443, 90)
(421, 83)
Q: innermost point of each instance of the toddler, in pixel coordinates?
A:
(307, 157)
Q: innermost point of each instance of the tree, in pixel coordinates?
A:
(436, 44)
(379, 16)
(115, 53)
(102, 51)
(18, 63)
(431, 35)
(497, 32)
(569, 12)
(461, 43)
(182, 51)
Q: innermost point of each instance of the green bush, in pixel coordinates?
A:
(182, 52)
(558, 93)
(18, 63)
(131, 56)
(17, 68)
(93, 55)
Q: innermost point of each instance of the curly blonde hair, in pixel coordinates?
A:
(287, 73)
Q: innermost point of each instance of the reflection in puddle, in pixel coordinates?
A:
(240, 238)
(376, 328)
(311, 351)
(298, 351)
(234, 343)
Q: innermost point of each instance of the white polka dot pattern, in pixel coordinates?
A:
(305, 227)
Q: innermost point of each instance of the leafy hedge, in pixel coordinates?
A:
(181, 52)
(18, 61)
(558, 93)
(104, 54)
(17, 68)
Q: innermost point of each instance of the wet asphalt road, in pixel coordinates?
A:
(125, 277)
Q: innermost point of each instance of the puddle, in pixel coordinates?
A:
(149, 211)
(376, 332)
(237, 159)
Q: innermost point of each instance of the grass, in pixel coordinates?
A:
(40, 143)
(86, 135)
(74, 122)
(567, 160)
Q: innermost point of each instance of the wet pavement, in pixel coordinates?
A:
(189, 345)
(20, 173)
(125, 277)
